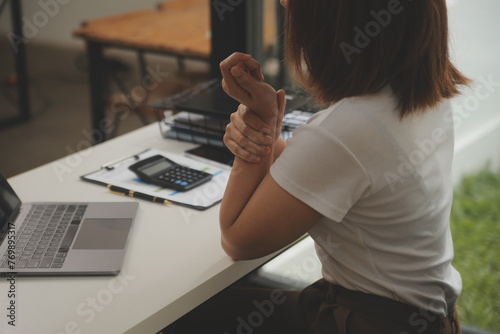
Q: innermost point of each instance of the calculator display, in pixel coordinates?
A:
(156, 167)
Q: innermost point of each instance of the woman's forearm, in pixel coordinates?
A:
(244, 180)
(267, 104)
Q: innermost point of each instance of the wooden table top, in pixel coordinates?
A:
(163, 30)
(167, 29)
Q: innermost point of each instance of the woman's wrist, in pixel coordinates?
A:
(279, 147)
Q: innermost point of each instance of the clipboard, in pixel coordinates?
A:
(117, 177)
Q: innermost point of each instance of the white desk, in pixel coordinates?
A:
(174, 260)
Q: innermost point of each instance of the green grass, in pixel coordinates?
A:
(475, 225)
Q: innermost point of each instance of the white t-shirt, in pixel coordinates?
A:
(385, 190)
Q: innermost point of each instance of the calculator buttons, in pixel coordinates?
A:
(181, 178)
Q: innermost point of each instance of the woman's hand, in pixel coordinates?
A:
(242, 80)
(249, 137)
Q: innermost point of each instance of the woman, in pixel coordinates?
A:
(368, 178)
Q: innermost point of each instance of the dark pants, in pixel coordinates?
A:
(328, 308)
(321, 308)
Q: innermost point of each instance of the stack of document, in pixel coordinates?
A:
(292, 121)
(194, 127)
(204, 130)
(201, 114)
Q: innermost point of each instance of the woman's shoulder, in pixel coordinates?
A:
(351, 116)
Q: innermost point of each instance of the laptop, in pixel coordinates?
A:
(59, 238)
(212, 100)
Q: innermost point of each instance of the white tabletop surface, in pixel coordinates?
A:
(174, 260)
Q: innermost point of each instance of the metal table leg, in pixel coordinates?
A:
(18, 41)
(98, 84)
(21, 64)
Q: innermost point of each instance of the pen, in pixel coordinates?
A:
(125, 192)
(110, 164)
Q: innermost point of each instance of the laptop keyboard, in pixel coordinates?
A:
(46, 235)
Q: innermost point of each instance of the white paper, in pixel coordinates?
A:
(202, 196)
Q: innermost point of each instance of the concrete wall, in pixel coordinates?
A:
(474, 31)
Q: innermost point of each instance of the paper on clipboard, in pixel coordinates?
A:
(201, 197)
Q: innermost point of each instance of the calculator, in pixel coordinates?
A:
(166, 173)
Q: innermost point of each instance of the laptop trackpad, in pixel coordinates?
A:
(103, 234)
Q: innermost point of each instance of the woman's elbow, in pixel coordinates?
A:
(236, 252)
(229, 251)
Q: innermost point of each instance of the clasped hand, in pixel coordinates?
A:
(256, 125)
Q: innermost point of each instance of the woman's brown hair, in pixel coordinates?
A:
(351, 48)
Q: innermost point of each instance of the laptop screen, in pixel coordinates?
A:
(214, 102)
(9, 206)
